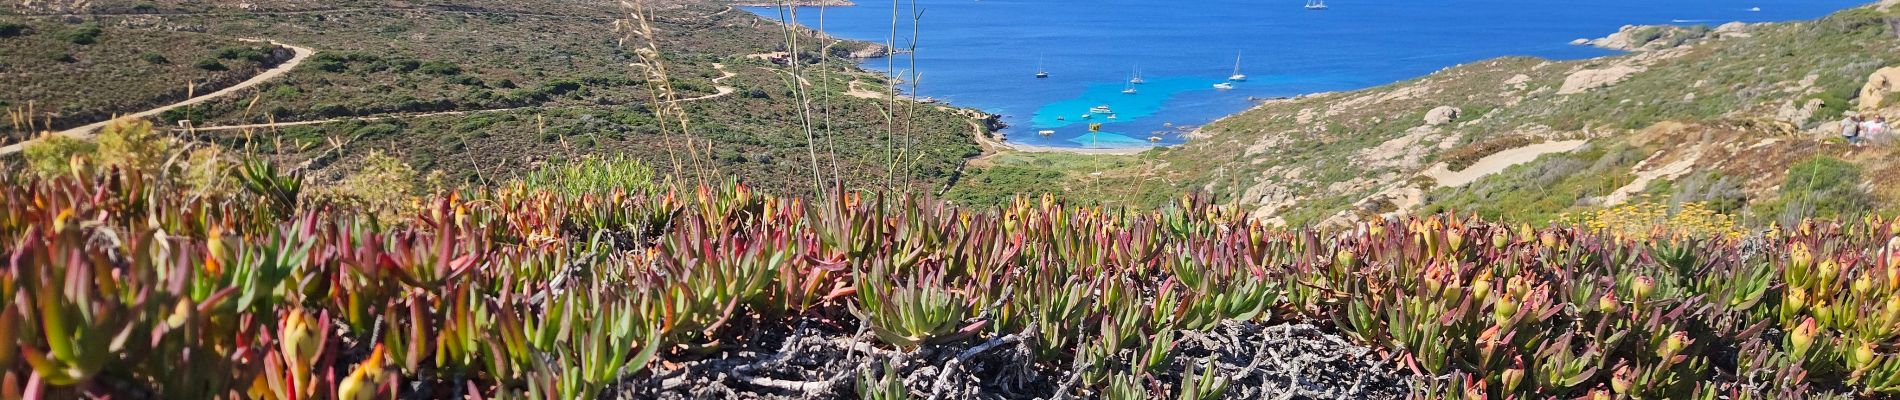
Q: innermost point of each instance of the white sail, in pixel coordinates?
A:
(1237, 76)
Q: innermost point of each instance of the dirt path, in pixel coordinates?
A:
(86, 132)
(1496, 163)
(719, 90)
(1645, 174)
(852, 89)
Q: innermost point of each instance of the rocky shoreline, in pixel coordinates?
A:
(1658, 37)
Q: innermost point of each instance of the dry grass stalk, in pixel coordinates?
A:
(660, 88)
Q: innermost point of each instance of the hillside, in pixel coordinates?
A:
(1708, 114)
(484, 89)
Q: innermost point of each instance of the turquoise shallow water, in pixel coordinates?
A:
(984, 53)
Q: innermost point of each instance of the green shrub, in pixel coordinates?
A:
(1822, 187)
(84, 34)
(328, 62)
(211, 64)
(133, 144)
(182, 114)
(377, 130)
(251, 54)
(60, 56)
(383, 185)
(154, 58)
(443, 68)
(12, 29)
(53, 155)
(592, 175)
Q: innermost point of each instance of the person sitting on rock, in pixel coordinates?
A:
(1850, 129)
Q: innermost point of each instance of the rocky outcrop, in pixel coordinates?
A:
(1441, 115)
(1592, 79)
(1800, 113)
(1881, 89)
(1733, 30)
(866, 50)
(1648, 37)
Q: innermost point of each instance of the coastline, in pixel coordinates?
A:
(1216, 120)
(793, 3)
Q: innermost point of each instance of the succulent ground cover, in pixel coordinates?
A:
(146, 279)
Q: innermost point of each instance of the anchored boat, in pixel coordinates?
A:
(1237, 76)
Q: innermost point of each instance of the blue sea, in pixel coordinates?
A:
(985, 53)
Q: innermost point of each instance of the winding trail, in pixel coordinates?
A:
(86, 132)
(718, 90)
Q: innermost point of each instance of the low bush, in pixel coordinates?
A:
(1823, 187)
(12, 29)
(211, 64)
(83, 34)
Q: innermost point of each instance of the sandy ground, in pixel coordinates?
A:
(1496, 163)
(86, 132)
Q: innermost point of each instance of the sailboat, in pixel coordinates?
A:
(1130, 88)
(1316, 5)
(1237, 76)
(1040, 73)
(1224, 86)
(1137, 79)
